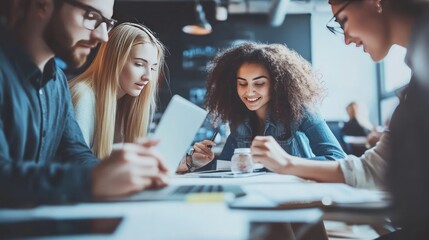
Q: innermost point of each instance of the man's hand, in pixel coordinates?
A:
(130, 167)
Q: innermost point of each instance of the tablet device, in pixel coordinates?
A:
(177, 128)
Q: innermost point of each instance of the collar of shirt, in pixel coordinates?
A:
(271, 126)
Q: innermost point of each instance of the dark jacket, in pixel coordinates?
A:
(43, 156)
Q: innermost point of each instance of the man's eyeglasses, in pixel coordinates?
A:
(93, 17)
(335, 26)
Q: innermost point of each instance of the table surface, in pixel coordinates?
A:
(180, 220)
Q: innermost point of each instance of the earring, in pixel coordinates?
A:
(379, 8)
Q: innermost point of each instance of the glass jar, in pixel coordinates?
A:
(241, 161)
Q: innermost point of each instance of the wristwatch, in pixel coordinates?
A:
(190, 152)
(189, 159)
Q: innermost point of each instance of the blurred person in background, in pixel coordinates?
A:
(358, 123)
(356, 129)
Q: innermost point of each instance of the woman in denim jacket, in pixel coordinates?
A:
(308, 138)
(266, 90)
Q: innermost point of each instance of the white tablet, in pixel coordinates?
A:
(177, 128)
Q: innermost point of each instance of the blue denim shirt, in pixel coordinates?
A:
(311, 138)
(43, 156)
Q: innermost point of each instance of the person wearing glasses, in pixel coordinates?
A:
(376, 37)
(267, 90)
(114, 98)
(376, 25)
(43, 155)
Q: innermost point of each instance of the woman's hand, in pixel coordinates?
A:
(203, 153)
(267, 151)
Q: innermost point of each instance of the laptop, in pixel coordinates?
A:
(176, 131)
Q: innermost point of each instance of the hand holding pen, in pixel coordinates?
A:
(203, 153)
(216, 131)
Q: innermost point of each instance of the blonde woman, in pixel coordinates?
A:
(114, 99)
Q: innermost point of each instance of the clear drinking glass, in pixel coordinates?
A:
(241, 161)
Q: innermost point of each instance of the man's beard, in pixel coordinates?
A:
(61, 43)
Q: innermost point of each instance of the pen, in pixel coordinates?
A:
(216, 131)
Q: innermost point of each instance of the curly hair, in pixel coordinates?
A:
(294, 85)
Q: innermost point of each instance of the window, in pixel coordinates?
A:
(396, 73)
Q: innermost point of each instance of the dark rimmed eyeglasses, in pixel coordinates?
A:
(337, 26)
(93, 17)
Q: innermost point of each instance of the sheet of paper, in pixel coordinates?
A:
(300, 192)
(267, 178)
(223, 165)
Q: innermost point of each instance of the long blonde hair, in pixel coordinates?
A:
(102, 77)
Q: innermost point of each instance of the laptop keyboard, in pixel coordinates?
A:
(187, 189)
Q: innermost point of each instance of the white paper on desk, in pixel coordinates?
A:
(223, 165)
(303, 192)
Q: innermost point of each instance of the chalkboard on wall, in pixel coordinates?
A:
(197, 51)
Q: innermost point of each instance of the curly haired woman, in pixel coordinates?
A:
(267, 90)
